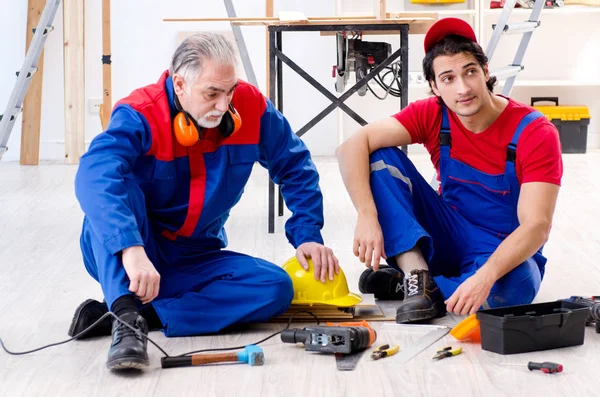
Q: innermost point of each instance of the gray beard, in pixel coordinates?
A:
(205, 123)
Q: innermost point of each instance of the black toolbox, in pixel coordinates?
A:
(570, 121)
(527, 328)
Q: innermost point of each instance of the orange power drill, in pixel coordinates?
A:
(342, 338)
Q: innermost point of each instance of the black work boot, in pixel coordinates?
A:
(87, 314)
(385, 284)
(129, 348)
(423, 299)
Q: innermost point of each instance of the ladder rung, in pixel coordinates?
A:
(12, 116)
(46, 31)
(31, 73)
(507, 71)
(16, 111)
(519, 27)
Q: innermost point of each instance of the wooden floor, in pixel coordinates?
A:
(42, 280)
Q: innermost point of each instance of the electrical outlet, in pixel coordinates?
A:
(94, 105)
(416, 78)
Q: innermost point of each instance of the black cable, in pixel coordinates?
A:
(379, 79)
(261, 341)
(396, 79)
(148, 338)
(396, 69)
(81, 333)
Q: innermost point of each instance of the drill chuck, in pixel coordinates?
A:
(293, 335)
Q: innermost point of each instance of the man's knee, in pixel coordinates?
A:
(519, 287)
(388, 155)
(276, 291)
(388, 165)
(283, 292)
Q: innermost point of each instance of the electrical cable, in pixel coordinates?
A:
(149, 339)
(394, 68)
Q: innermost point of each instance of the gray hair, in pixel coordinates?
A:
(198, 48)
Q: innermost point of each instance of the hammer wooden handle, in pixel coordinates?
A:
(198, 359)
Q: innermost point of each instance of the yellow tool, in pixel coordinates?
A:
(384, 351)
(447, 352)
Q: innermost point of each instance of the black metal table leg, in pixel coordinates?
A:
(280, 102)
(404, 70)
(272, 78)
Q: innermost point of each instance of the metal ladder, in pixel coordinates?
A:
(503, 27)
(15, 102)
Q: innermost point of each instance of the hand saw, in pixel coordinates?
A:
(429, 339)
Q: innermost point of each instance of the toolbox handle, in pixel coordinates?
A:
(552, 320)
(543, 99)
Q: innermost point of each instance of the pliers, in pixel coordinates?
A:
(384, 351)
(447, 352)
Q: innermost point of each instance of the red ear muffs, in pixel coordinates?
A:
(231, 122)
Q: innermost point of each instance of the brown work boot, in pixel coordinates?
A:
(423, 299)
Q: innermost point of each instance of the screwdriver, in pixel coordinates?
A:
(546, 367)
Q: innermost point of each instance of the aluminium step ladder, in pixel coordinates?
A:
(15, 102)
(503, 27)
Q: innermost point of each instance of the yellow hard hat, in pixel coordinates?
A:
(308, 291)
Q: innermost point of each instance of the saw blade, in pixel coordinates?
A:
(427, 340)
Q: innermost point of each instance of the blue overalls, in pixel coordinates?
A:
(137, 186)
(458, 231)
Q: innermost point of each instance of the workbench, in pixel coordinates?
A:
(404, 25)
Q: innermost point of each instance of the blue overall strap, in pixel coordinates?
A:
(511, 151)
(445, 138)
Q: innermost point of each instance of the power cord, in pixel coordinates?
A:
(150, 340)
(394, 68)
(260, 341)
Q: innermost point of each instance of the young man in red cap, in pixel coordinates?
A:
(478, 240)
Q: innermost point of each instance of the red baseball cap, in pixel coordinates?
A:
(445, 27)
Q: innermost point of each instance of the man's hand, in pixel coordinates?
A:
(322, 257)
(471, 294)
(368, 241)
(144, 280)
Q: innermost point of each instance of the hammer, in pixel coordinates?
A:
(251, 354)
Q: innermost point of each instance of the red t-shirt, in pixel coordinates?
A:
(539, 156)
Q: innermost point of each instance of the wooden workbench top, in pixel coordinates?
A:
(418, 22)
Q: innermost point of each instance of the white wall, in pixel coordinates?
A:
(142, 45)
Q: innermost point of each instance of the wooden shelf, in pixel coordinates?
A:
(548, 11)
(446, 12)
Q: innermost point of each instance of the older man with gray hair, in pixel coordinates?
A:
(156, 189)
